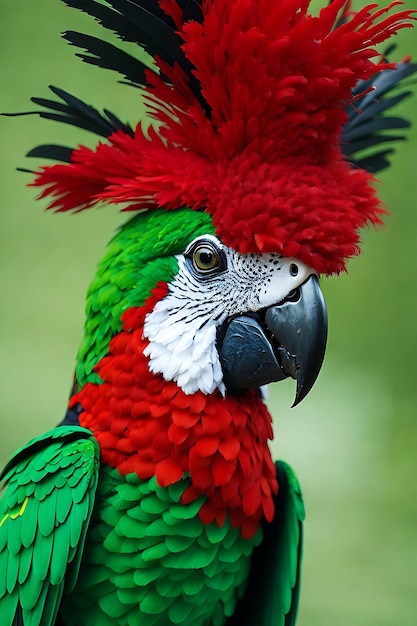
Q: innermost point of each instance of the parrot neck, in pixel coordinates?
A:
(148, 426)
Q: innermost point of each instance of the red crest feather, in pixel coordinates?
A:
(259, 145)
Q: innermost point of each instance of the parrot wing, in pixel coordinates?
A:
(271, 597)
(44, 515)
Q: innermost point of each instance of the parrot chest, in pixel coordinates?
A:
(149, 560)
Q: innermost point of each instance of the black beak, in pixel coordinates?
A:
(287, 339)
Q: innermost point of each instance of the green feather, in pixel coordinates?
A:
(46, 514)
(154, 603)
(146, 575)
(11, 572)
(111, 605)
(8, 608)
(37, 544)
(177, 543)
(195, 584)
(153, 505)
(25, 564)
(155, 552)
(181, 512)
(216, 534)
(179, 612)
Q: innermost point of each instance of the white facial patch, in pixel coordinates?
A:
(213, 283)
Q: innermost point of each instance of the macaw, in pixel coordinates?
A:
(156, 501)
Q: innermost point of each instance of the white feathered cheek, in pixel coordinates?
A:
(213, 284)
(181, 348)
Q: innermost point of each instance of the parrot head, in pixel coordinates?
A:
(228, 322)
(233, 321)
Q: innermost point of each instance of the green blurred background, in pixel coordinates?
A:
(353, 441)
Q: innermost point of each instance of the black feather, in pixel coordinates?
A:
(384, 82)
(52, 151)
(108, 56)
(137, 25)
(372, 126)
(143, 23)
(191, 9)
(155, 31)
(157, 34)
(75, 112)
(376, 162)
(377, 109)
(367, 126)
(107, 17)
(362, 143)
(25, 170)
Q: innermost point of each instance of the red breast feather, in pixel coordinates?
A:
(149, 426)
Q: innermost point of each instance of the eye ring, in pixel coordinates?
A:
(294, 269)
(205, 257)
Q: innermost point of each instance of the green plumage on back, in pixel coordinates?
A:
(44, 516)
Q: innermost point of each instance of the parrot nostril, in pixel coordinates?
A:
(294, 269)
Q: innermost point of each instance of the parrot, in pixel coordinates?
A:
(155, 500)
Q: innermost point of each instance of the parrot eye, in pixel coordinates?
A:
(205, 258)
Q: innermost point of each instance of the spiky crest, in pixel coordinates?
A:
(250, 98)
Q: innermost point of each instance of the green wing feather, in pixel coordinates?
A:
(271, 597)
(44, 515)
